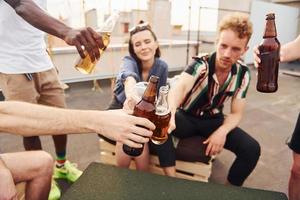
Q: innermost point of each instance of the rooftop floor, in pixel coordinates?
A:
(270, 118)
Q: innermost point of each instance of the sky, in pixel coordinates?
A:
(73, 11)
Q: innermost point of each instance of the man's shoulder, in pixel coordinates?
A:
(242, 64)
(199, 66)
(243, 67)
(201, 57)
(201, 61)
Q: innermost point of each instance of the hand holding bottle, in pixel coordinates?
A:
(135, 95)
(267, 78)
(146, 109)
(86, 65)
(256, 56)
(85, 39)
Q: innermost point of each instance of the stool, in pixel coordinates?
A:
(191, 170)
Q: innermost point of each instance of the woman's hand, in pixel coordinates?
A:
(130, 102)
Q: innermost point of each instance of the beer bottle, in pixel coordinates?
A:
(162, 117)
(85, 65)
(144, 108)
(267, 79)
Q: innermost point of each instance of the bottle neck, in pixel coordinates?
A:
(150, 92)
(163, 94)
(270, 29)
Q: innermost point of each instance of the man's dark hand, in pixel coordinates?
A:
(87, 38)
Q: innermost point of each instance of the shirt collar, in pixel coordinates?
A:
(212, 62)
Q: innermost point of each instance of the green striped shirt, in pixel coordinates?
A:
(206, 96)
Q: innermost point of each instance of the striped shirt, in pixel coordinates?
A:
(206, 96)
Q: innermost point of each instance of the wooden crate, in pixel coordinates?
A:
(21, 190)
(188, 170)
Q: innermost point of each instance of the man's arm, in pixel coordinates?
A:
(29, 120)
(290, 51)
(177, 94)
(34, 15)
(217, 140)
(233, 119)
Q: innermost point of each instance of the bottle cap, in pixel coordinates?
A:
(154, 78)
(270, 16)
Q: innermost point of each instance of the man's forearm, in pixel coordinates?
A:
(231, 121)
(34, 15)
(178, 93)
(173, 101)
(29, 119)
(290, 51)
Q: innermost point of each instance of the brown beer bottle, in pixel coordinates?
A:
(146, 109)
(267, 79)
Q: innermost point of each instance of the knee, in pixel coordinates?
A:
(256, 149)
(45, 163)
(252, 151)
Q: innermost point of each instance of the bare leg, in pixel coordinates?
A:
(142, 161)
(294, 182)
(122, 159)
(36, 171)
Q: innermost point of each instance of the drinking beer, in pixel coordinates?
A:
(162, 117)
(85, 65)
(267, 79)
(146, 109)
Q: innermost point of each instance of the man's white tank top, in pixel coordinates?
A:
(22, 46)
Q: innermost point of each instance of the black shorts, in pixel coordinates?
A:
(295, 141)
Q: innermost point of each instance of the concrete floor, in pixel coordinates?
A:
(270, 118)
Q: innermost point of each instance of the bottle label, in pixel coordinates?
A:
(269, 54)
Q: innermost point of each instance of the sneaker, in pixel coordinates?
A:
(54, 191)
(68, 172)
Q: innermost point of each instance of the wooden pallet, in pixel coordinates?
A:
(188, 170)
(21, 190)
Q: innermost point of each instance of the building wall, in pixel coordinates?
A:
(227, 6)
(297, 5)
(160, 17)
(245, 6)
(173, 52)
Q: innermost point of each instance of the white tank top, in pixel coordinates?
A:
(22, 47)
